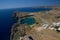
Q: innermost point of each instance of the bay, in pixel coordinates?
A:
(6, 20)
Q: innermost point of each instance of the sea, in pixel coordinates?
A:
(6, 19)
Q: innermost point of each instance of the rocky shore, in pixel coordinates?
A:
(43, 19)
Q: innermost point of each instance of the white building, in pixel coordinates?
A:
(45, 26)
(21, 38)
(56, 23)
(58, 28)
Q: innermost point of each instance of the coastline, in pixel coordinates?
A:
(42, 18)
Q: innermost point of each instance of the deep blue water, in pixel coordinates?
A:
(6, 20)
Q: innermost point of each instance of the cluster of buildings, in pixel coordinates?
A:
(55, 26)
(23, 18)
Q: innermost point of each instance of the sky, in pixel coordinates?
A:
(5, 4)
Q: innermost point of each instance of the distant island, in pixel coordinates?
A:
(43, 25)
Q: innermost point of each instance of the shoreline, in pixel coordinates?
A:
(40, 17)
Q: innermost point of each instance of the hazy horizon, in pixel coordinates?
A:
(6, 4)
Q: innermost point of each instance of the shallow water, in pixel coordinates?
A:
(28, 21)
(6, 20)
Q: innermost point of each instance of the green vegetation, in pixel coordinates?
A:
(57, 28)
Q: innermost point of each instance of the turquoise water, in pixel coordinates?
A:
(28, 21)
(6, 20)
